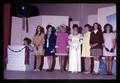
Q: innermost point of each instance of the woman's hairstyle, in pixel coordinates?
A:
(105, 30)
(68, 29)
(53, 28)
(63, 26)
(79, 29)
(28, 40)
(90, 28)
(58, 29)
(99, 26)
(75, 26)
(41, 30)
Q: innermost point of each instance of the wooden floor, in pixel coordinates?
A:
(56, 74)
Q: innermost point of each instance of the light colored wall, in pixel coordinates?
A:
(104, 12)
(16, 31)
(77, 11)
(92, 19)
(17, 34)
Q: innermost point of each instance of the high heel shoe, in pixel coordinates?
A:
(109, 73)
(48, 70)
(36, 70)
(95, 73)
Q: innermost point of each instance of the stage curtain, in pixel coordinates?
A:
(7, 29)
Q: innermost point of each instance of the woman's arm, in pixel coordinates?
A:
(57, 41)
(53, 42)
(81, 38)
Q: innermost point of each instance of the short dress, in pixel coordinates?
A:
(38, 42)
(62, 44)
(86, 45)
(49, 45)
(108, 42)
(96, 38)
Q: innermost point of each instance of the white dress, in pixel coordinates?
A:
(108, 42)
(75, 42)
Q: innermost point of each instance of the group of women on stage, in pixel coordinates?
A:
(92, 43)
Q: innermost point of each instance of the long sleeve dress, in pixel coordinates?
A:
(38, 42)
(49, 45)
(75, 42)
(61, 44)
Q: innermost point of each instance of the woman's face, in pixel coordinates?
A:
(108, 28)
(38, 29)
(50, 29)
(25, 42)
(75, 29)
(87, 28)
(63, 29)
(95, 26)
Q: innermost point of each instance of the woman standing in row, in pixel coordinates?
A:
(109, 46)
(86, 48)
(49, 46)
(96, 43)
(61, 46)
(38, 42)
(75, 41)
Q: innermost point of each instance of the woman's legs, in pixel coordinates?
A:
(109, 64)
(87, 64)
(38, 61)
(50, 62)
(42, 62)
(60, 62)
(96, 64)
(65, 62)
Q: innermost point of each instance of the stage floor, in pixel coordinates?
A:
(56, 74)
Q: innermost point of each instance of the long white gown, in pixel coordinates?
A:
(75, 42)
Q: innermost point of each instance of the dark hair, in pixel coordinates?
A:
(79, 29)
(53, 28)
(75, 26)
(111, 28)
(68, 29)
(89, 27)
(41, 30)
(99, 26)
(28, 40)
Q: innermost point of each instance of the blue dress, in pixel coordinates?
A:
(49, 45)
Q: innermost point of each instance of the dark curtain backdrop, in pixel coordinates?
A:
(7, 29)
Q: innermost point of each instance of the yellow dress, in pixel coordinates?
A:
(86, 45)
(38, 42)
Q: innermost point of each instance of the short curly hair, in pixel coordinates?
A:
(53, 28)
(28, 40)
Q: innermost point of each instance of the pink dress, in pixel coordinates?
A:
(108, 41)
(61, 44)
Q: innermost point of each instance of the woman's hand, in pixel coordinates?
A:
(93, 45)
(53, 50)
(112, 50)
